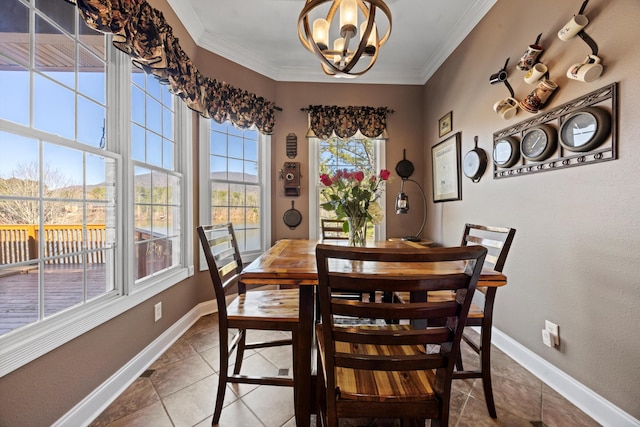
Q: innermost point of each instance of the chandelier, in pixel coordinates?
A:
(351, 41)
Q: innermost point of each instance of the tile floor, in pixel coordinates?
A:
(179, 390)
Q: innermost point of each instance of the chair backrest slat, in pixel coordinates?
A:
(386, 270)
(223, 259)
(332, 229)
(497, 240)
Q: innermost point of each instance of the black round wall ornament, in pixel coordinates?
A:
(404, 168)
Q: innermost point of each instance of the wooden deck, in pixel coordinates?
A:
(63, 288)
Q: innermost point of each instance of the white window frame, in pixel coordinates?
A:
(23, 345)
(264, 176)
(380, 230)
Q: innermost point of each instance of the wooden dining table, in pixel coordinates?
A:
(292, 262)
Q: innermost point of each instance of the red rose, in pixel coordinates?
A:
(358, 176)
(384, 174)
(326, 179)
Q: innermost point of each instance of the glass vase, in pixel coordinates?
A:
(357, 230)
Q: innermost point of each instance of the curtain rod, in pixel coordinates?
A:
(308, 109)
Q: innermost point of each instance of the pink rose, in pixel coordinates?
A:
(326, 179)
(384, 174)
(358, 176)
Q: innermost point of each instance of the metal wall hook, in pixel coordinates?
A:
(589, 41)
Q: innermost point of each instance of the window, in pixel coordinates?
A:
(70, 208)
(328, 156)
(157, 215)
(235, 170)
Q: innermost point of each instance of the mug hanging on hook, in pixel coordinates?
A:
(530, 56)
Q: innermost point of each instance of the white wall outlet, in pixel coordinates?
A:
(546, 338)
(553, 330)
(157, 311)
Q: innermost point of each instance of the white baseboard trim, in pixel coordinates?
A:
(91, 406)
(591, 403)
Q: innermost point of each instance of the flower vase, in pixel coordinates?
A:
(357, 230)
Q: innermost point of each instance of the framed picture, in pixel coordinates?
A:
(445, 166)
(445, 125)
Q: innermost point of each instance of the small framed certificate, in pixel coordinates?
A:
(445, 166)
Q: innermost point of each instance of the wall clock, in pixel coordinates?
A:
(474, 163)
(506, 151)
(539, 142)
(585, 129)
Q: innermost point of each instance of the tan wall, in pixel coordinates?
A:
(575, 256)
(405, 131)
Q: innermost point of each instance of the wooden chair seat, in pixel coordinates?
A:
(381, 386)
(260, 305)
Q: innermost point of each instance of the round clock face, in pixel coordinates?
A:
(506, 152)
(538, 143)
(585, 129)
(474, 164)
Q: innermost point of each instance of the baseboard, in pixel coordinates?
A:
(591, 403)
(91, 406)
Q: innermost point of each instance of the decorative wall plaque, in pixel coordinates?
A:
(605, 101)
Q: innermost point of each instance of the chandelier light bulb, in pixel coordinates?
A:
(321, 33)
(348, 18)
(372, 40)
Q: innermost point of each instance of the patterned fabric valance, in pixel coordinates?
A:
(142, 32)
(346, 121)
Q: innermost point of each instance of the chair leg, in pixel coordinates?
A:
(485, 360)
(485, 350)
(240, 351)
(222, 381)
(459, 366)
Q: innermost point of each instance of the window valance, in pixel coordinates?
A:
(346, 121)
(142, 32)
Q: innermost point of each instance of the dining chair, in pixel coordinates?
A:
(332, 229)
(266, 310)
(498, 241)
(380, 370)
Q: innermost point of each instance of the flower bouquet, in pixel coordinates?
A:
(353, 195)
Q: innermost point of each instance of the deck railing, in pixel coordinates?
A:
(63, 243)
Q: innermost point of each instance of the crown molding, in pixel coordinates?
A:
(231, 50)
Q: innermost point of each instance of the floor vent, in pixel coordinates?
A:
(538, 424)
(147, 373)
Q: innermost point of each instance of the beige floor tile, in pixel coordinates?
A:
(272, 405)
(559, 412)
(180, 350)
(152, 415)
(512, 397)
(191, 405)
(180, 374)
(138, 395)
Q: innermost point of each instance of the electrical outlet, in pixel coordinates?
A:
(546, 338)
(158, 311)
(553, 330)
